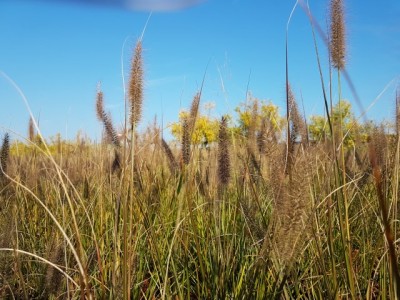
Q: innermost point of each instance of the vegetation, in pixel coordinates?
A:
(253, 206)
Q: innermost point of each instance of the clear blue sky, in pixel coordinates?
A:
(58, 52)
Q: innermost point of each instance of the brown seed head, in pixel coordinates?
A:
(194, 109)
(223, 153)
(136, 86)
(297, 123)
(53, 276)
(171, 159)
(338, 35)
(111, 133)
(185, 141)
(99, 105)
(4, 153)
(31, 130)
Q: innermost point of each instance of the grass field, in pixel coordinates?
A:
(266, 210)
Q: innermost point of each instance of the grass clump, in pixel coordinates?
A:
(234, 209)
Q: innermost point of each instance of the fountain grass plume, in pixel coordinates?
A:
(223, 153)
(4, 154)
(296, 128)
(194, 109)
(338, 35)
(136, 86)
(185, 141)
(53, 278)
(168, 152)
(31, 130)
(99, 104)
(105, 118)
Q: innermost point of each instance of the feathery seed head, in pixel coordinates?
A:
(338, 35)
(31, 130)
(194, 109)
(171, 159)
(136, 86)
(111, 133)
(185, 141)
(4, 153)
(99, 105)
(223, 152)
(297, 122)
(53, 276)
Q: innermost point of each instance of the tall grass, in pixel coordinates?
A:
(263, 213)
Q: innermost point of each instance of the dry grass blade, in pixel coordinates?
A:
(397, 112)
(43, 260)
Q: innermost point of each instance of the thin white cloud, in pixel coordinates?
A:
(161, 5)
(143, 5)
(164, 80)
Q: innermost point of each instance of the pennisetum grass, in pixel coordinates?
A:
(194, 110)
(185, 141)
(4, 154)
(296, 220)
(105, 118)
(54, 277)
(31, 131)
(135, 96)
(337, 35)
(337, 50)
(171, 158)
(224, 164)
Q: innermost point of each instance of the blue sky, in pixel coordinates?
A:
(58, 52)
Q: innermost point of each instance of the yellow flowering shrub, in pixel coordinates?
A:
(205, 129)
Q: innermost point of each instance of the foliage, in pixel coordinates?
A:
(205, 130)
(342, 117)
(252, 112)
(56, 145)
